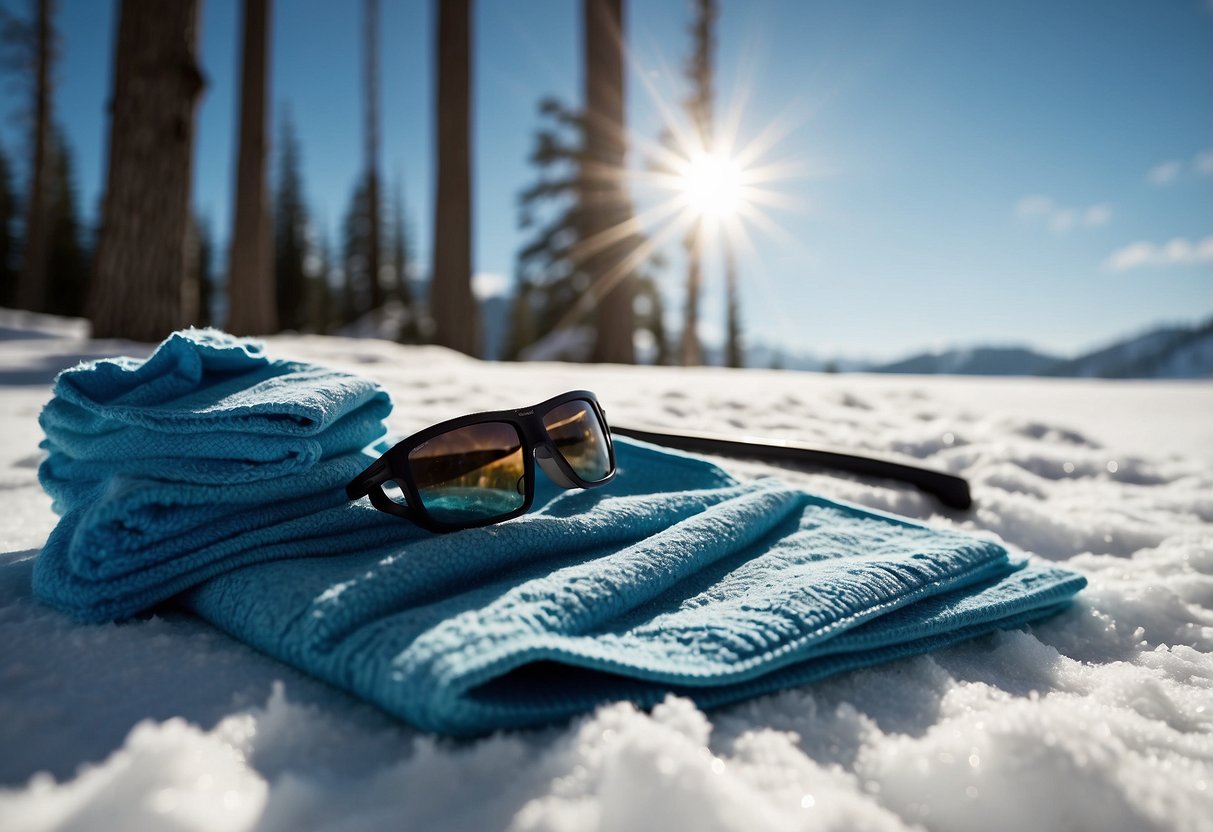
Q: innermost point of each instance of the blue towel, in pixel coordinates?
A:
(203, 408)
(205, 456)
(676, 577)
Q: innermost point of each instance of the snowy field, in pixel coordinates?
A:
(1101, 718)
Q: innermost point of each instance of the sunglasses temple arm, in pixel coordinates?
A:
(949, 489)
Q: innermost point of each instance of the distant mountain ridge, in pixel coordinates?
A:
(1164, 352)
(1168, 352)
(977, 361)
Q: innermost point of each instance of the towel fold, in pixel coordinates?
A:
(676, 577)
(204, 408)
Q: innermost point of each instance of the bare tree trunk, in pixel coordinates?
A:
(252, 302)
(699, 73)
(141, 255)
(33, 288)
(603, 199)
(456, 315)
(372, 150)
(691, 353)
(734, 354)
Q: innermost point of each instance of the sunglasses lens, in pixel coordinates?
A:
(580, 437)
(470, 474)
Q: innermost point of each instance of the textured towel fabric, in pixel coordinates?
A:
(200, 458)
(676, 577)
(203, 408)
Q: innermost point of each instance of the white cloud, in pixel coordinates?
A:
(1164, 173)
(1131, 256)
(1175, 252)
(1060, 218)
(1034, 206)
(1203, 162)
(490, 284)
(1097, 215)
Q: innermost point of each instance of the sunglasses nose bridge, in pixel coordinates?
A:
(544, 454)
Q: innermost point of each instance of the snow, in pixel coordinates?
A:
(1099, 718)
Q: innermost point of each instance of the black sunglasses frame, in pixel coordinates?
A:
(393, 464)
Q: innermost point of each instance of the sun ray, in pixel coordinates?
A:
(643, 252)
(633, 225)
(714, 187)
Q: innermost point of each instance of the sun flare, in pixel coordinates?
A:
(712, 185)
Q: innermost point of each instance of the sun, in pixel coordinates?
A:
(712, 185)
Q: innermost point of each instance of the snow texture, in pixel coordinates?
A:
(1101, 718)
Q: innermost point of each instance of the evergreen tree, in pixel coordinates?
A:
(551, 276)
(31, 50)
(67, 262)
(204, 238)
(9, 210)
(319, 288)
(290, 233)
(411, 327)
(355, 256)
(374, 247)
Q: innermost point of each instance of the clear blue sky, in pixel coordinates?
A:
(1033, 172)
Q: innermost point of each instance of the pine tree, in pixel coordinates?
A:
(204, 240)
(320, 292)
(374, 247)
(140, 263)
(9, 209)
(411, 328)
(355, 259)
(36, 39)
(67, 263)
(551, 276)
(549, 281)
(290, 233)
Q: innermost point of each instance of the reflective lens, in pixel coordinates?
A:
(581, 439)
(470, 474)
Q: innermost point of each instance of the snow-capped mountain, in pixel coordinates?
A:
(1168, 352)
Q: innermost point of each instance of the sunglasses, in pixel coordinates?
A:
(480, 469)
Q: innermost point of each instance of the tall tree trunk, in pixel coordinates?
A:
(691, 353)
(734, 354)
(603, 199)
(141, 254)
(371, 48)
(33, 290)
(252, 302)
(456, 315)
(699, 73)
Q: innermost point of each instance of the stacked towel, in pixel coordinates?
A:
(676, 577)
(203, 457)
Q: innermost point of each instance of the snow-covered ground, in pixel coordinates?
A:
(1101, 718)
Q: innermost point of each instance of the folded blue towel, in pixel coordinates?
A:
(200, 458)
(676, 577)
(203, 408)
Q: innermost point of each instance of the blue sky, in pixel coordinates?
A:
(1033, 172)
